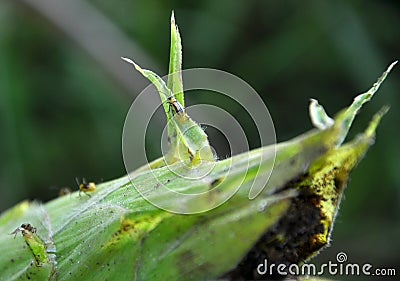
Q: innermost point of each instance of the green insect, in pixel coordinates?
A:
(34, 243)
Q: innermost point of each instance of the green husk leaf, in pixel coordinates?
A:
(118, 235)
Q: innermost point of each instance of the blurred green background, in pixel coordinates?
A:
(64, 92)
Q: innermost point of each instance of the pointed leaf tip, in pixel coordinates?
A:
(127, 59)
(370, 131)
(376, 85)
(392, 65)
(137, 67)
(173, 17)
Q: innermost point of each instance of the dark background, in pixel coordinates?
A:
(64, 92)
